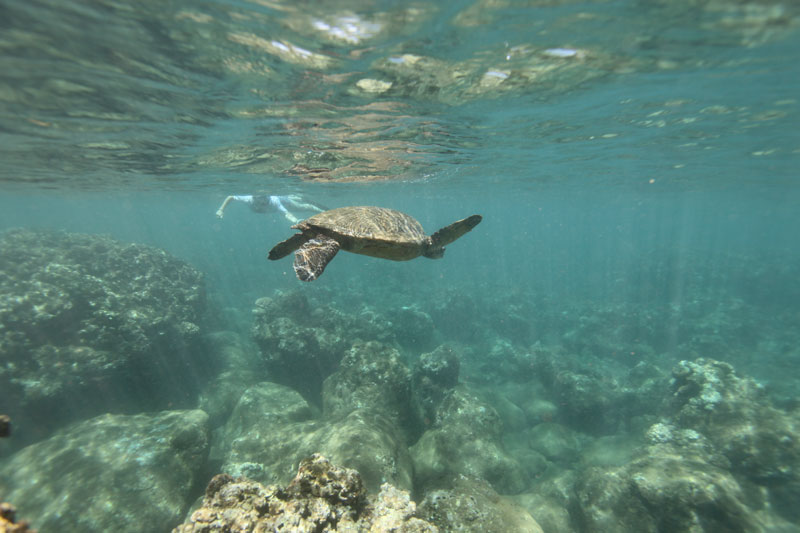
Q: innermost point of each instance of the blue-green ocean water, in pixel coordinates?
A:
(640, 154)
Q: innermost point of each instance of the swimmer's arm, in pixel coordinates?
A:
(289, 216)
(298, 203)
(221, 210)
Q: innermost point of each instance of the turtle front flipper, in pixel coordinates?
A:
(284, 248)
(312, 258)
(448, 234)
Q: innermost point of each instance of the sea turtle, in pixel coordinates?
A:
(366, 230)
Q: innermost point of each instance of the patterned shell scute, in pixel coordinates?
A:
(367, 222)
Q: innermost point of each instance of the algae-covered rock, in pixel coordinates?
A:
(303, 342)
(465, 439)
(665, 489)
(472, 505)
(321, 498)
(735, 416)
(370, 376)
(84, 317)
(272, 428)
(435, 373)
(111, 473)
(556, 442)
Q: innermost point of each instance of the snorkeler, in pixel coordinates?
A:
(262, 203)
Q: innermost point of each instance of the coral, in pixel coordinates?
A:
(472, 505)
(85, 317)
(322, 497)
(8, 523)
(110, 473)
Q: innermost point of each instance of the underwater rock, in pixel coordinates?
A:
(322, 497)
(89, 325)
(597, 397)
(435, 373)
(241, 367)
(370, 376)
(303, 342)
(272, 428)
(471, 505)
(664, 489)
(736, 417)
(734, 413)
(414, 328)
(551, 500)
(258, 440)
(110, 473)
(457, 316)
(465, 438)
(556, 442)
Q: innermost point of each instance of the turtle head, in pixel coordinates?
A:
(433, 250)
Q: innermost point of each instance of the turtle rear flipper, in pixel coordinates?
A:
(448, 234)
(284, 248)
(311, 259)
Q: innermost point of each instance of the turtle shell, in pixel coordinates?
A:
(368, 230)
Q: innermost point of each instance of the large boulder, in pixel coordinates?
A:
(90, 325)
(735, 415)
(370, 376)
(111, 473)
(471, 505)
(666, 488)
(272, 429)
(465, 438)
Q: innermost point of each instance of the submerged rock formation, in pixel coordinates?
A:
(303, 343)
(471, 505)
(111, 473)
(272, 428)
(322, 497)
(89, 324)
(465, 438)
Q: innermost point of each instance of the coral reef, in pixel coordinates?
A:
(110, 473)
(85, 317)
(321, 497)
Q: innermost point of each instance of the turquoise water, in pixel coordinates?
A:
(635, 164)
